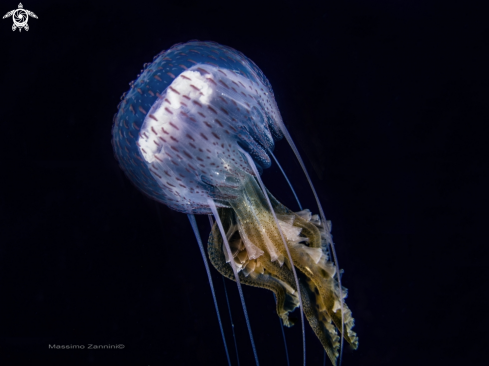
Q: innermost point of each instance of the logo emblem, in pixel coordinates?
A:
(20, 17)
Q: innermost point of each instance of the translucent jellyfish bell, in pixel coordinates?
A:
(194, 132)
(179, 127)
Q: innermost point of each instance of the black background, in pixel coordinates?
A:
(388, 104)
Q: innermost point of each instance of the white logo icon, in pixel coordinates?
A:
(20, 17)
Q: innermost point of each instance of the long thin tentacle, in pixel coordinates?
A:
(323, 219)
(257, 175)
(211, 222)
(231, 318)
(213, 208)
(286, 178)
(283, 335)
(193, 222)
(300, 208)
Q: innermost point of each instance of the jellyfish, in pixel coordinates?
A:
(194, 132)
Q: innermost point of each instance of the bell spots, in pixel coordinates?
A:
(141, 110)
(174, 90)
(185, 77)
(153, 117)
(224, 84)
(170, 75)
(157, 77)
(212, 109)
(152, 171)
(166, 109)
(202, 70)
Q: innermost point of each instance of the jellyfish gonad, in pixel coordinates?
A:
(194, 132)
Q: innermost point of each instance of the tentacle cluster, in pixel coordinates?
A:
(259, 256)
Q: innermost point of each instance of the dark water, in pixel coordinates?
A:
(388, 104)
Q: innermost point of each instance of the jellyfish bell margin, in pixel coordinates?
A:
(193, 132)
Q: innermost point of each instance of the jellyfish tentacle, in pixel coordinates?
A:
(320, 278)
(326, 335)
(193, 223)
(257, 176)
(231, 319)
(287, 179)
(211, 222)
(283, 335)
(323, 219)
(279, 279)
(300, 207)
(213, 208)
(286, 301)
